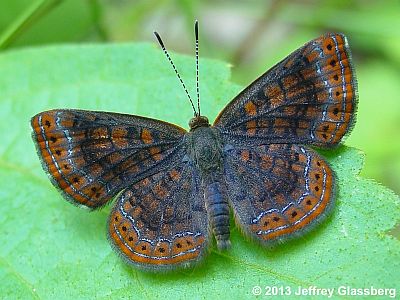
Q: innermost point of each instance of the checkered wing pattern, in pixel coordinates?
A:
(278, 191)
(308, 98)
(91, 156)
(161, 222)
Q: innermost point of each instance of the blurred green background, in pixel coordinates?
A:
(250, 35)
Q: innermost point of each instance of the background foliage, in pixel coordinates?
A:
(40, 234)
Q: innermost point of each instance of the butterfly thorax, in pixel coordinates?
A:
(205, 149)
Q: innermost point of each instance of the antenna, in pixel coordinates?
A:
(196, 34)
(176, 72)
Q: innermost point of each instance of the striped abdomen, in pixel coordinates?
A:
(218, 211)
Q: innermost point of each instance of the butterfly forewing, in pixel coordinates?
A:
(91, 156)
(161, 221)
(278, 191)
(308, 98)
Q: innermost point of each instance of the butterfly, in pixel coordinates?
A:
(176, 188)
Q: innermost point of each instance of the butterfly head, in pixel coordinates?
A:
(198, 121)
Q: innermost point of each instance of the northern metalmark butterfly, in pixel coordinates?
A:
(176, 188)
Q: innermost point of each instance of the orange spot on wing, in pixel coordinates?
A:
(146, 136)
(155, 153)
(251, 127)
(160, 191)
(175, 175)
(245, 155)
(274, 94)
(162, 249)
(250, 108)
(99, 133)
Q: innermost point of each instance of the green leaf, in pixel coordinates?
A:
(52, 249)
(27, 22)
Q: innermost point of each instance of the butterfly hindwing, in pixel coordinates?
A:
(278, 191)
(91, 156)
(308, 98)
(160, 222)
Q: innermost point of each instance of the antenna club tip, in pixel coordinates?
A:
(196, 29)
(159, 39)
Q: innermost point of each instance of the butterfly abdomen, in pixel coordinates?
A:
(218, 212)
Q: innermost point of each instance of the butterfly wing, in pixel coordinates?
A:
(160, 222)
(278, 191)
(308, 98)
(91, 156)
